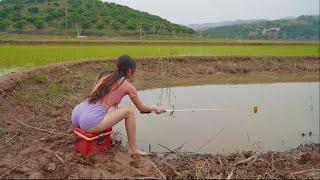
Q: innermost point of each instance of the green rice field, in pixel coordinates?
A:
(16, 56)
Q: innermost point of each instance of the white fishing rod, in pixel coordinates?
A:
(189, 110)
(193, 110)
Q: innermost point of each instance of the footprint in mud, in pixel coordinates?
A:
(123, 158)
(135, 163)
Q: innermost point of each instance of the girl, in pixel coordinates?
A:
(93, 115)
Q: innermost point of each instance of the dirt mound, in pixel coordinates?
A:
(302, 162)
(36, 133)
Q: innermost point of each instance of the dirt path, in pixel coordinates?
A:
(44, 97)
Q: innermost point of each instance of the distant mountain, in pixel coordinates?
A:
(84, 17)
(305, 27)
(205, 26)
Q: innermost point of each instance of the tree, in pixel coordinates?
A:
(3, 25)
(3, 14)
(31, 19)
(116, 25)
(17, 7)
(56, 4)
(33, 10)
(85, 24)
(132, 25)
(100, 24)
(19, 24)
(146, 27)
(121, 19)
(49, 18)
(38, 23)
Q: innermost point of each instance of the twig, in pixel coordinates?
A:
(209, 140)
(7, 141)
(220, 161)
(143, 178)
(272, 167)
(39, 129)
(240, 162)
(174, 171)
(15, 167)
(11, 138)
(179, 148)
(301, 172)
(167, 148)
(155, 167)
(218, 176)
(5, 137)
(54, 154)
(105, 176)
(173, 151)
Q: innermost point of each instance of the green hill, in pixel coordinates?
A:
(300, 28)
(84, 17)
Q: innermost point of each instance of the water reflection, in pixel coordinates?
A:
(285, 111)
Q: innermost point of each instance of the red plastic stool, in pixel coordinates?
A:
(87, 143)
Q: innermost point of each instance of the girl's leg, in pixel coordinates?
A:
(114, 117)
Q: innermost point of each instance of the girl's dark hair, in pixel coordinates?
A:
(124, 63)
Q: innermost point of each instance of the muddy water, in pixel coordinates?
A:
(285, 111)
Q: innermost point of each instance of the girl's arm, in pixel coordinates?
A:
(144, 108)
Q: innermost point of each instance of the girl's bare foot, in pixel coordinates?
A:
(137, 152)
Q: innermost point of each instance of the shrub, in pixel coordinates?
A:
(116, 25)
(38, 78)
(33, 10)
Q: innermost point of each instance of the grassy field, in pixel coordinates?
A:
(13, 56)
(25, 38)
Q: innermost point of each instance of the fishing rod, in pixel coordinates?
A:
(188, 110)
(193, 110)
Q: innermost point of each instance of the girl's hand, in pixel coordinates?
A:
(158, 110)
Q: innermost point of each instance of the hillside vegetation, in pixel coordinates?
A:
(300, 28)
(84, 17)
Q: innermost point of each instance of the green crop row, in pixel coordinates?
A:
(15, 56)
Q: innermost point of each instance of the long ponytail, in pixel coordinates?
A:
(124, 63)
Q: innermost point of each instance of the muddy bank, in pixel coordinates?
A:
(150, 43)
(299, 163)
(36, 134)
(193, 70)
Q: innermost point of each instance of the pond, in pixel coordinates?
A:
(285, 112)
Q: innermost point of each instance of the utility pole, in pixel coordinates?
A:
(66, 22)
(140, 27)
(109, 17)
(173, 32)
(153, 29)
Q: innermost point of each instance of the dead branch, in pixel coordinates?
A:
(15, 167)
(301, 172)
(209, 140)
(39, 129)
(179, 148)
(155, 167)
(167, 148)
(142, 178)
(10, 139)
(240, 162)
(272, 167)
(5, 137)
(173, 170)
(220, 161)
(53, 154)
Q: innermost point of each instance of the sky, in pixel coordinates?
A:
(210, 11)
